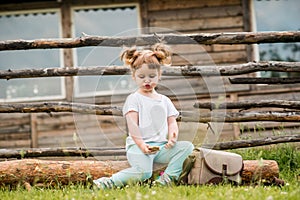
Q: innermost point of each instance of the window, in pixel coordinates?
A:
(29, 26)
(279, 15)
(113, 21)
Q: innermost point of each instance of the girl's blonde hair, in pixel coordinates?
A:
(158, 55)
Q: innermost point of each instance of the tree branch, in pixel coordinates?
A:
(202, 38)
(225, 70)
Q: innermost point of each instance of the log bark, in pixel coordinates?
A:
(274, 80)
(120, 151)
(259, 170)
(200, 38)
(226, 70)
(46, 172)
(245, 105)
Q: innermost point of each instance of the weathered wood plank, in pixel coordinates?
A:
(174, 4)
(200, 24)
(195, 13)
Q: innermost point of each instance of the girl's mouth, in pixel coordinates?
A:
(147, 86)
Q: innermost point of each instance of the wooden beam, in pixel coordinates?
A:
(201, 38)
(209, 70)
(66, 20)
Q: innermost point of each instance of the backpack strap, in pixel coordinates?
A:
(186, 168)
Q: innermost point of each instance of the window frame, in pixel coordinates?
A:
(61, 57)
(76, 92)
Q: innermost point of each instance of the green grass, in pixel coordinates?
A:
(287, 156)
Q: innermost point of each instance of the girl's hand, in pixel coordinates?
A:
(146, 150)
(171, 142)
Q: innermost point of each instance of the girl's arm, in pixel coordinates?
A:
(172, 132)
(132, 118)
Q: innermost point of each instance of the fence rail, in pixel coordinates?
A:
(120, 151)
(200, 38)
(292, 115)
(223, 70)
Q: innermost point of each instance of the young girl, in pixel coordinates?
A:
(151, 119)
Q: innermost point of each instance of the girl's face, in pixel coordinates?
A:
(146, 78)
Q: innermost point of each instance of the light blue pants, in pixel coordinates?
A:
(142, 164)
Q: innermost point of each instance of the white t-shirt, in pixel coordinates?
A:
(153, 114)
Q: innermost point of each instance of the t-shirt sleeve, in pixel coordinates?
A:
(172, 111)
(130, 104)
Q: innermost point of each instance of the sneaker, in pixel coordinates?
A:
(164, 179)
(104, 183)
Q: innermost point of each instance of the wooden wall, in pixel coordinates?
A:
(183, 16)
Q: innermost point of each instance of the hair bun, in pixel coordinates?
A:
(163, 53)
(128, 56)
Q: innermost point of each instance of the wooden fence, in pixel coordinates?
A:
(290, 112)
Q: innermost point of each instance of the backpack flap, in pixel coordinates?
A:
(222, 163)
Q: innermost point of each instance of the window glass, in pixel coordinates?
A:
(282, 15)
(120, 21)
(29, 26)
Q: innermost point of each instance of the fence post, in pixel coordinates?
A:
(33, 131)
(236, 130)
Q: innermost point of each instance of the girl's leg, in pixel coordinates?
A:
(140, 170)
(174, 157)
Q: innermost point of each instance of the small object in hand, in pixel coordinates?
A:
(154, 148)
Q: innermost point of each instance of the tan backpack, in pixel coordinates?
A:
(205, 166)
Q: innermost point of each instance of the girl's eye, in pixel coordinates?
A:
(141, 76)
(152, 76)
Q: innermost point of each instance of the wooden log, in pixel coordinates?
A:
(46, 172)
(200, 38)
(259, 170)
(244, 105)
(225, 70)
(274, 80)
